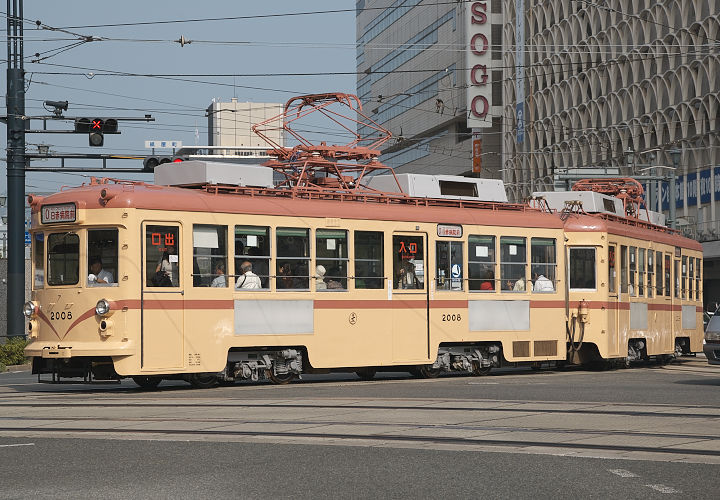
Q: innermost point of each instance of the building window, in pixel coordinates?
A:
(582, 269)
(369, 261)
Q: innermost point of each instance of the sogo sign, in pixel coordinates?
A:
(479, 61)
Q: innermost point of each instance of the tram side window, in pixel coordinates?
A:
(408, 262)
(331, 259)
(659, 274)
(369, 261)
(683, 283)
(102, 255)
(650, 273)
(698, 278)
(641, 272)
(252, 245)
(543, 263)
(582, 268)
(623, 269)
(513, 260)
(38, 260)
(676, 273)
(293, 258)
(691, 278)
(449, 256)
(633, 268)
(481, 263)
(668, 270)
(162, 256)
(209, 256)
(612, 273)
(63, 259)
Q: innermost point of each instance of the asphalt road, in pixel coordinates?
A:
(642, 433)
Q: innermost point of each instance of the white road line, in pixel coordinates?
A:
(622, 473)
(17, 444)
(662, 488)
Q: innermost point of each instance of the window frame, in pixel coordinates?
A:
(150, 270)
(48, 266)
(472, 261)
(570, 268)
(450, 279)
(299, 260)
(512, 265)
(381, 279)
(116, 271)
(342, 280)
(545, 265)
(209, 277)
(265, 279)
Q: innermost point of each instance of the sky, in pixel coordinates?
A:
(274, 44)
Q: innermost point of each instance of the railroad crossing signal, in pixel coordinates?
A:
(96, 128)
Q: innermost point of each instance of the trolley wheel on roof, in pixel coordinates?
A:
(366, 373)
(147, 382)
(425, 371)
(283, 379)
(202, 380)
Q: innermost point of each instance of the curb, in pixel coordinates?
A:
(18, 368)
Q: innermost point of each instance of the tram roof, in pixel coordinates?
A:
(233, 200)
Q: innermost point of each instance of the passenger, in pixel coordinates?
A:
(220, 280)
(250, 280)
(98, 275)
(166, 267)
(408, 278)
(519, 285)
(489, 282)
(285, 277)
(542, 284)
(320, 278)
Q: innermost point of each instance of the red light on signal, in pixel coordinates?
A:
(97, 124)
(177, 160)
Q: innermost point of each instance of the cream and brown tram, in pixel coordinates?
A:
(343, 282)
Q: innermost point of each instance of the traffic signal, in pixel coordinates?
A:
(96, 128)
(150, 162)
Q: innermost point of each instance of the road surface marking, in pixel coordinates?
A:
(662, 488)
(622, 473)
(17, 444)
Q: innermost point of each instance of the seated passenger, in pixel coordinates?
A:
(320, 278)
(542, 284)
(519, 285)
(220, 281)
(249, 280)
(488, 282)
(98, 275)
(408, 278)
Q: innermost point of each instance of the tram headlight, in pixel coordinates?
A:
(30, 309)
(102, 307)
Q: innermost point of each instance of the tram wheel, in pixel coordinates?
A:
(202, 380)
(366, 373)
(147, 382)
(283, 379)
(480, 371)
(425, 371)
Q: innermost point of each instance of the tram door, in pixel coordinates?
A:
(409, 295)
(162, 305)
(677, 303)
(613, 301)
(670, 292)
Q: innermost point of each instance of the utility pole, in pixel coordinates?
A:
(15, 169)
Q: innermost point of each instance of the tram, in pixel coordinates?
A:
(214, 281)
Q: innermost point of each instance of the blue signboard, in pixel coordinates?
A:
(27, 239)
(665, 195)
(691, 188)
(705, 186)
(679, 191)
(716, 183)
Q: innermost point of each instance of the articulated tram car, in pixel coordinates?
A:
(214, 284)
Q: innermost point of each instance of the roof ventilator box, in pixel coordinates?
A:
(453, 187)
(189, 173)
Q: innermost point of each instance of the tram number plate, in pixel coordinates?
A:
(54, 316)
(452, 317)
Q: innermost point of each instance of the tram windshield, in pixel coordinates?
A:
(63, 250)
(102, 256)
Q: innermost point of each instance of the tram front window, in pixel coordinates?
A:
(63, 259)
(582, 269)
(102, 255)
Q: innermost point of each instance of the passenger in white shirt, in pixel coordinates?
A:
(98, 275)
(542, 284)
(219, 281)
(248, 280)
